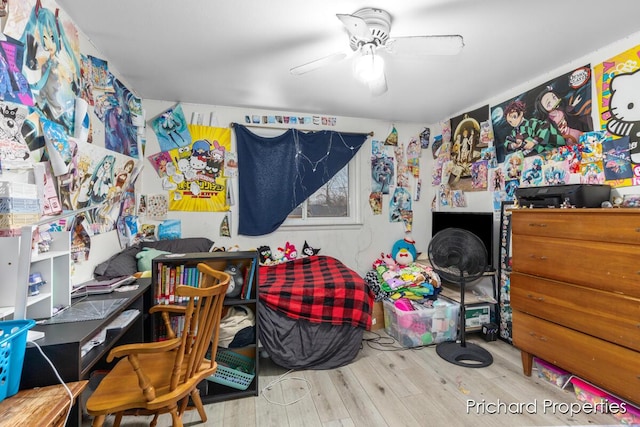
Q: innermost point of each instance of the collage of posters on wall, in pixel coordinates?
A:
(192, 167)
(395, 171)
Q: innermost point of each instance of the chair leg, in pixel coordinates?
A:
(175, 417)
(118, 420)
(197, 402)
(154, 421)
(98, 421)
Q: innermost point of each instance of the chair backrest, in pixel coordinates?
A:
(201, 324)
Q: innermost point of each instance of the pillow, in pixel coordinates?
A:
(181, 246)
(146, 255)
(123, 263)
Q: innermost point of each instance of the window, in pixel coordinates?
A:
(335, 203)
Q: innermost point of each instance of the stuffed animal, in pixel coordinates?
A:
(308, 250)
(290, 252)
(236, 282)
(404, 252)
(264, 253)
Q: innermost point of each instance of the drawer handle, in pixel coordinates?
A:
(533, 224)
(535, 298)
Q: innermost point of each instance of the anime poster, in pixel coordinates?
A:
(50, 62)
(14, 151)
(466, 147)
(14, 86)
(86, 71)
(618, 88)
(413, 156)
(121, 135)
(479, 174)
(382, 169)
(375, 203)
(98, 175)
(195, 179)
(399, 205)
(171, 129)
(101, 78)
(159, 161)
(544, 118)
(617, 161)
(555, 172)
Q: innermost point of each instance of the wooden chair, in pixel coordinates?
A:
(159, 377)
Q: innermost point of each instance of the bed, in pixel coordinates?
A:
(313, 312)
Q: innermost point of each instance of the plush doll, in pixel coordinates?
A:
(235, 284)
(404, 252)
(308, 250)
(264, 254)
(277, 256)
(290, 252)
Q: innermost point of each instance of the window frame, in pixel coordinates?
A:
(354, 218)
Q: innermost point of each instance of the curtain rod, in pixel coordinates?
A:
(232, 124)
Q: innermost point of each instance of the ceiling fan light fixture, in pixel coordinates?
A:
(368, 66)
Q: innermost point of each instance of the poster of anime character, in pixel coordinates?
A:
(100, 175)
(618, 88)
(121, 135)
(195, 180)
(171, 129)
(50, 62)
(616, 160)
(399, 202)
(465, 147)
(480, 174)
(549, 116)
(382, 169)
(556, 172)
(14, 86)
(14, 151)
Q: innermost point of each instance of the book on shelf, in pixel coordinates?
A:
(252, 274)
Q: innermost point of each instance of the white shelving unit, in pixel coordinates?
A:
(54, 266)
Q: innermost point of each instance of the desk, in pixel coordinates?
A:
(45, 406)
(63, 343)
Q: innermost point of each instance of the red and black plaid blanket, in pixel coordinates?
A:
(317, 288)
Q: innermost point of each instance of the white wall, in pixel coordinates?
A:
(356, 246)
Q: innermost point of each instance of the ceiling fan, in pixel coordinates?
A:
(369, 31)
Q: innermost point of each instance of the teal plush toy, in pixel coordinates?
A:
(404, 251)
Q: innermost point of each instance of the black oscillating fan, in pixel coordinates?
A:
(459, 256)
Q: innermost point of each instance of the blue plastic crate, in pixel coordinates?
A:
(13, 343)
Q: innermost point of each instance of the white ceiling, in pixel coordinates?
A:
(238, 53)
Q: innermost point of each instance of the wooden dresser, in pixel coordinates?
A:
(575, 293)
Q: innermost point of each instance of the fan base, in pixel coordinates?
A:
(469, 356)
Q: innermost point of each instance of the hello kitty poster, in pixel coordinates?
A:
(195, 177)
(618, 88)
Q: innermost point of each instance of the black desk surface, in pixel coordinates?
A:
(83, 331)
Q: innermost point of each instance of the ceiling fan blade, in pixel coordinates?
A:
(318, 63)
(378, 86)
(356, 26)
(426, 45)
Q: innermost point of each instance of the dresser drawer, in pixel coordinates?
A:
(613, 317)
(609, 267)
(600, 225)
(610, 366)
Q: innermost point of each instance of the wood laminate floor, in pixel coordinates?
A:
(390, 386)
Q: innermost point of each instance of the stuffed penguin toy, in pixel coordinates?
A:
(404, 252)
(235, 284)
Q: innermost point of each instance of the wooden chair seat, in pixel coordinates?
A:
(160, 377)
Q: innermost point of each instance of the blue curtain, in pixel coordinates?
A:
(276, 174)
